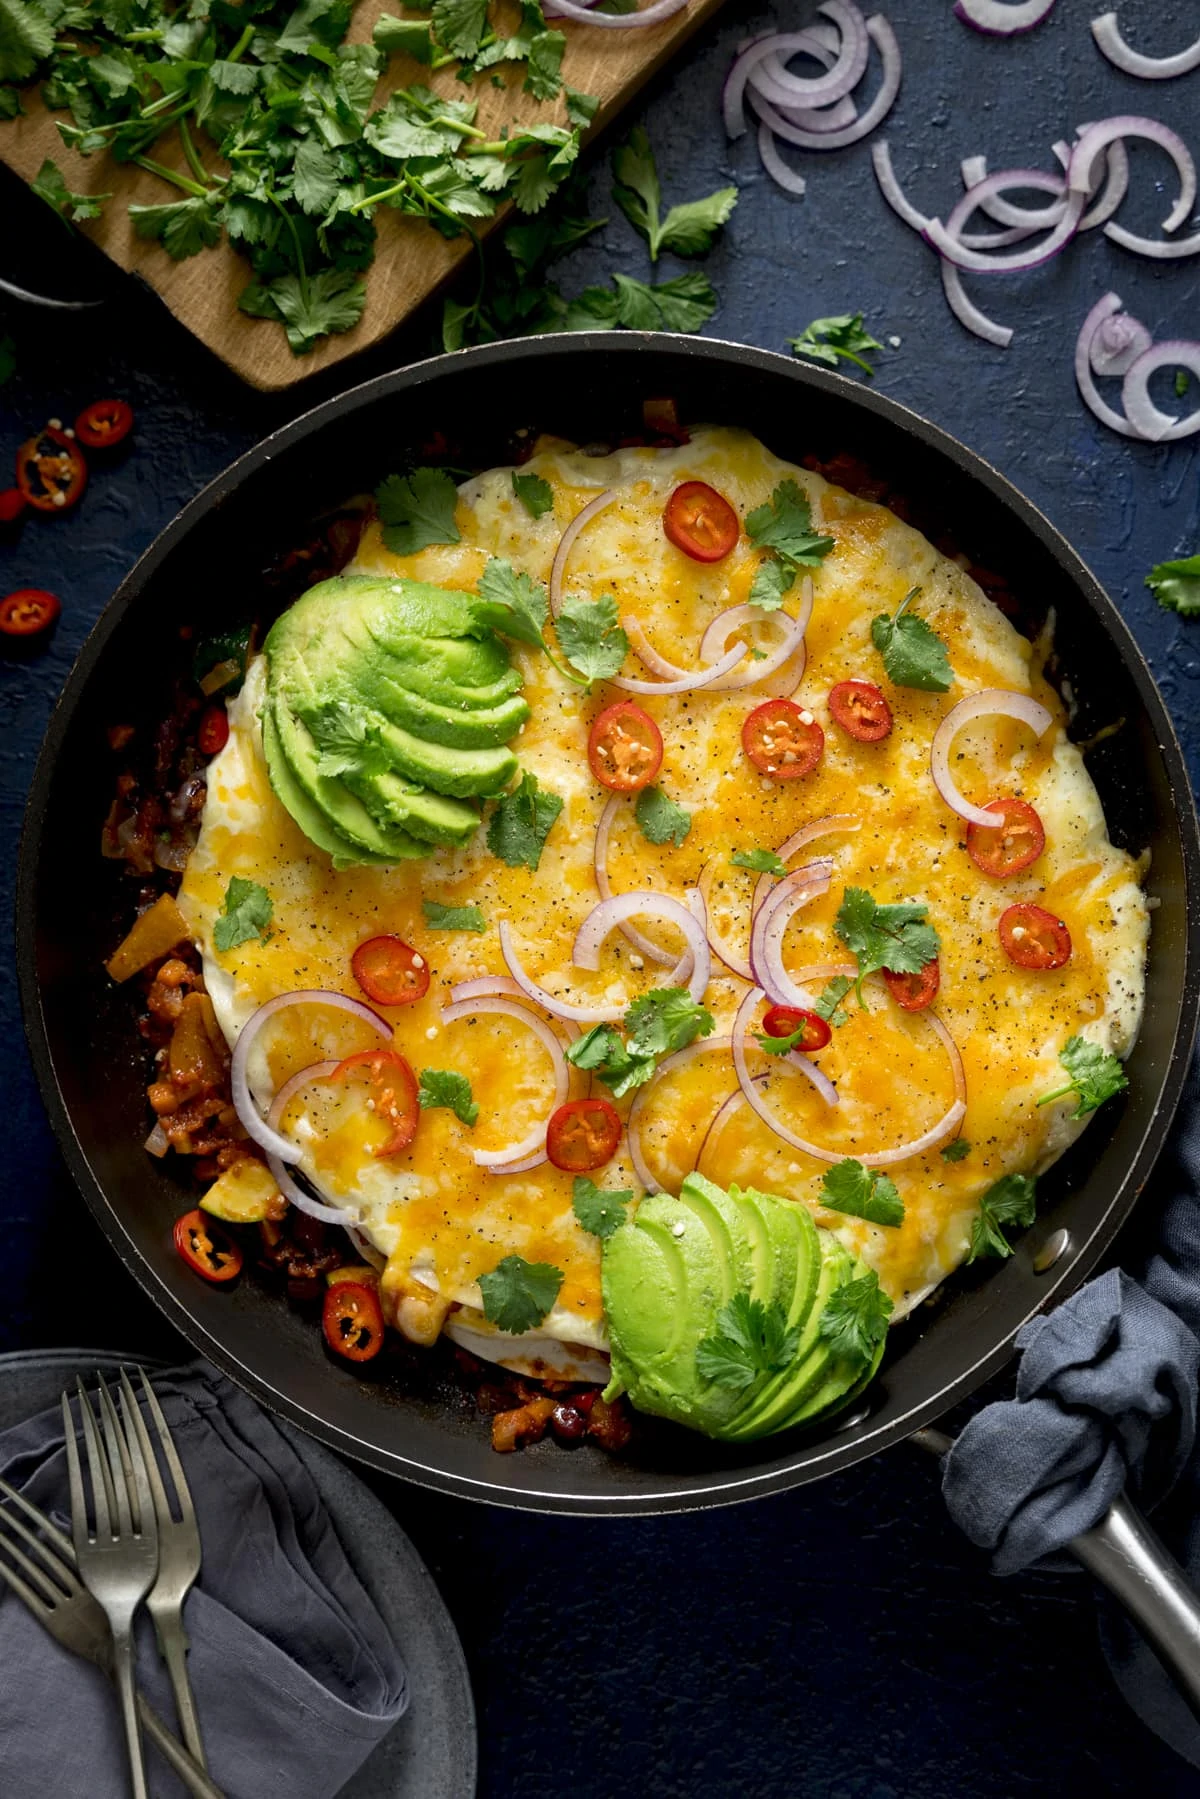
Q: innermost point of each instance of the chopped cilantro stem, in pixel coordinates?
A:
(173, 176)
(189, 150)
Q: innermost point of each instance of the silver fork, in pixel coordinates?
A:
(117, 1558)
(62, 1604)
(178, 1555)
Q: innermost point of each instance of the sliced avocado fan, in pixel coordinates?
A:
(389, 708)
(672, 1272)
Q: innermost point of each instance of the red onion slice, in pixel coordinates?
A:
(884, 1158)
(947, 238)
(248, 1112)
(966, 311)
(820, 827)
(653, 15)
(1108, 37)
(637, 941)
(718, 943)
(558, 1008)
(1003, 18)
(605, 918)
(316, 1071)
(884, 39)
(1098, 137)
(1142, 413)
(304, 1202)
(1102, 310)
(769, 75)
(1031, 218)
(633, 1129)
(486, 986)
(991, 702)
(530, 1152)
(1114, 188)
(822, 118)
(1159, 249)
(784, 176)
(725, 623)
(567, 540)
(689, 683)
(770, 923)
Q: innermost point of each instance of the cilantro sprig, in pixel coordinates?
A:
(417, 509)
(655, 1025)
(659, 819)
(246, 913)
(897, 938)
(687, 230)
(861, 1192)
(855, 1319)
(517, 1295)
(1176, 586)
(750, 1339)
(828, 340)
(783, 528)
(453, 918)
(1012, 1200)
(536, 495)
(763, 862)
(445, 1087)
(913, 653)
(521, 823)
(829, 1004)
(599, 1210)
(1095, 1075)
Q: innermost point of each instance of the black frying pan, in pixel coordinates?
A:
(70, 909)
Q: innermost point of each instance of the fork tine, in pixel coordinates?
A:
(117, 1451)
(64, 1575)
(44, 1524)
(37, 1606)
(135, 1425)
(182, 1490)
(53, 1594)
(79, 1525)
(97, 1466)
(140, 1474)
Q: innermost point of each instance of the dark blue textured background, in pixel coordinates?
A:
(842, 1642)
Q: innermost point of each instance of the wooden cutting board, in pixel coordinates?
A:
(412, 260)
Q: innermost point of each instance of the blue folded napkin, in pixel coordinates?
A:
(1106, 1401)
(295, 1674)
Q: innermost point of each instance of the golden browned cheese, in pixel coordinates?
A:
(440, 1220)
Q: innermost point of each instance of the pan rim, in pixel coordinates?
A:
(850, 1443)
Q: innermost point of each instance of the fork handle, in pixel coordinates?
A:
(190, 1772)
(173, 1645)
(123, 1669)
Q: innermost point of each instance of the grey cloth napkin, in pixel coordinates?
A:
(295, 1674)
(1106, 1400)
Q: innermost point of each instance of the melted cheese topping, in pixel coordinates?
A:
(441, 1221)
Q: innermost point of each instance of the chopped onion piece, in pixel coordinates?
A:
(1142, 413)
(1117, 343)
(642, 944)
(633, 1129)
(158, 1143)
(991, 702)
(1003, 18)
(605, 917)
(885, 41)
(251, 1118)
(1107, 34)
(585, 517)
(1102, 310)
(505, 1161)
(1099, 136)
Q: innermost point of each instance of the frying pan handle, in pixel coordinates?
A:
(1129, 1559)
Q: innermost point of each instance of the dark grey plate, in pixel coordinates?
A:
(431, 1754)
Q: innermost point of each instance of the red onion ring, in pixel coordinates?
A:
(642, 944)
(947, 239)
(780, 172)
(653, 15)
(304, 1202)
(791, 644)
(316, 1071)
(738, 965)
(1142, 413)
(771, 921)
(633, 1127)
(247, 1111)
(820, 827)
(689, 683)
(767, 60)
(1159, 249)
(557, 1008)
(884, 39)
(724, 1112)
(1114, 188)
(900, 204)
(1030, 218)
(832, 85)
(567, 540)
(995, 19)
(990, 702)
(1102, 310)
(966, 311)
(605, 917)
(884, 1158)
(1098, 137)
(1111, 44)
(486, 986)
(530, 1152)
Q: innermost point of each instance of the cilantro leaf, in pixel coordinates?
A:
(664, 1020)
(49, 184)
(913, 654)
(687, 230)
(954, 1152)
(750, 1339)
(1096, 1075)
(659, 819)
(316, 177)
(445, 1087)
(683, 304)
(591, 637)
(348, 738)
(782, 526)
(182, 227)
(1176, 585)
(246, 913)
(861, 1192)
(825, 340)
(522, 822)
(598, 1210)
(855, 1318)
(543, 72)
(829, 1004)
(322, 305)
(536, 495)
(10, 102)
(603, 1051)
(459, 25)
(417, 509)
(26, 39)
(1010, 1200)
(518, 1294)
(581, 108)
(409, 37)
(897, 938)
(453, 918)
(520, 602)
(764, 862)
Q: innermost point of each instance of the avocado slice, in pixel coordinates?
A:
(463, 774)
(401, 805)
(346, 813)
(318, 828)
(456, 723)
(774, 1407)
